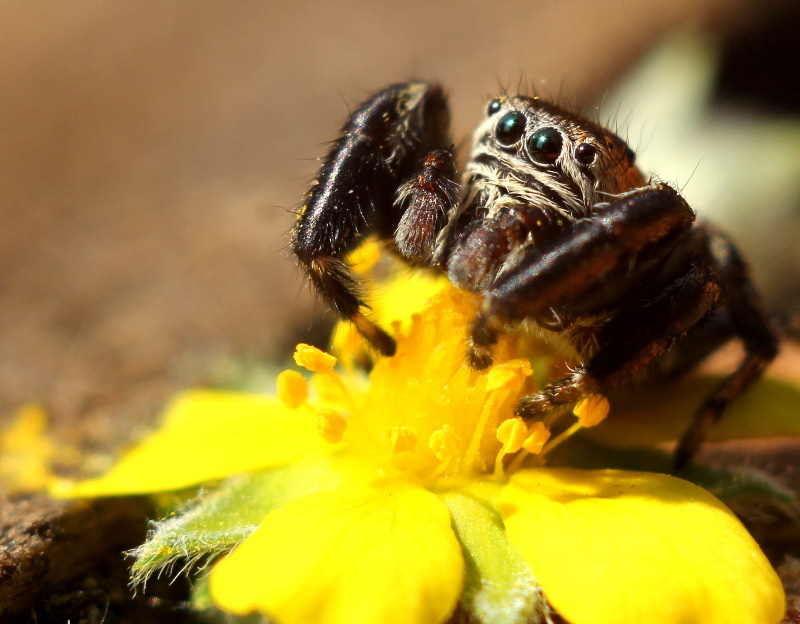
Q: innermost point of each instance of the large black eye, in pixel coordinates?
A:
(494, 106)
(585, 154)
(544, 146)
(510, 128)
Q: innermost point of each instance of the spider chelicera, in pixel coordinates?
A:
(553, 224)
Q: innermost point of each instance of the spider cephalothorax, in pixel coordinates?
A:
(533, 171)
(552, 224)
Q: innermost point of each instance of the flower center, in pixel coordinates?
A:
(424, 412)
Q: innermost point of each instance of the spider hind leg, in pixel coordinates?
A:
(748, 321)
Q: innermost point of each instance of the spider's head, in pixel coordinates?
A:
(544, 156)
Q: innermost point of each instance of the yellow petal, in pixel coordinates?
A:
(613, 547)
(360, 555)
(219, 519)
(208, 435)
(364, 258)
(393, 301)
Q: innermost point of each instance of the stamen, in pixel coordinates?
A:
(538, 434)
(592, 410)
(331, 425)
(473, 450)
(317, 361)
(502, 378)
(292, 389)
(509, 375)
(512, 433)
(444, 444)
(402, 438)
(313, 359)
(564, 435)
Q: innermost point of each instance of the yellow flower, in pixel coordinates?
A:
(401, 496)
(26, 453)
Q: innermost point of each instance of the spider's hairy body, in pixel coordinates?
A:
(510, 202)
(552, 224)
(570, 191)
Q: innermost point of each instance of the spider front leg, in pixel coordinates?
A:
(629, 342)
(587, 270)
(396, 134)
(623, 275)
(426, 201)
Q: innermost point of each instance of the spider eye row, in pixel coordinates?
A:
(544, 146)
(494, 106)
(510, 128)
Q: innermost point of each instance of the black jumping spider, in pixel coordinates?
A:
(552, 223)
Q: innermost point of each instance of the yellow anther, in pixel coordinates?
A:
(314, 359)
(331, 425)
(365, 257)
(292, 388)
(402, 438)
(512, 433)
(507, 375)
(444, 443)
(538, 434)
(592, 410)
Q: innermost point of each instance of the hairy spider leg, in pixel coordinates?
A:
(631, 340)
(426, 201)
(749, 321)
(383, 143)
(695, 271)
(591, 268)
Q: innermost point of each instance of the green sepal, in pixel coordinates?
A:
(499, 587)
(216, 520)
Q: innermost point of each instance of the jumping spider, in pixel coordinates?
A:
(552, 224)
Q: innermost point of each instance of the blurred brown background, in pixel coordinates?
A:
(151, 152)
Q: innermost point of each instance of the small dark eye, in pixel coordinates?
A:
(545, 145)
(494, 106)
(510, 128)
(585, 154)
